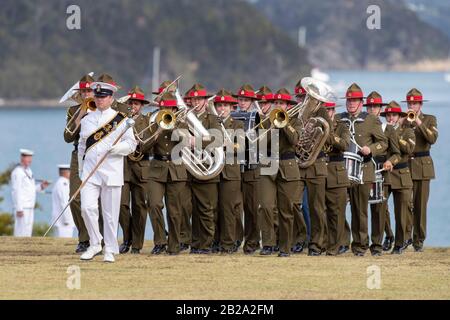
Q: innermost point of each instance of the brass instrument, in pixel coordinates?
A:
(411, 116)
(199, 162)
(161, 120)
(278, 118)
(86, 104)
(137, 155)
(315, 130)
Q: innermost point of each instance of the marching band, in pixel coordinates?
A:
(126, 164)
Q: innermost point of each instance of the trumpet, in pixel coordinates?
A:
(411, 116)
(86, 104)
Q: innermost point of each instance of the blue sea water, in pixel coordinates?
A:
(41, 129)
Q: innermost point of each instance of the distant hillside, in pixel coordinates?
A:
(434, 12)
(218, 43)
(337, 36)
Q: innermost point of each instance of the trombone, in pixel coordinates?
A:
(86, 104)
(164, 119)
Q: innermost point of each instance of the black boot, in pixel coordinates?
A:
(266, 251)
(387, 244)
(124, 247)
(82, 246)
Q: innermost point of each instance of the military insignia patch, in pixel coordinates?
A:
(98, 135)
(403, 142)
(378, 146)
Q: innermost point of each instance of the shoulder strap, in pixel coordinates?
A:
(105, 130)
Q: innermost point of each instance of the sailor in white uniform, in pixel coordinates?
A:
(65, 226)
(99, 130)
(24, 188)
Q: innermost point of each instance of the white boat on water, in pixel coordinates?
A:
(319, 75)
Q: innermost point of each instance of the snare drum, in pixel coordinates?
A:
(354, 165)
(376, 194)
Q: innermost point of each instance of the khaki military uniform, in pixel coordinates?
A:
(337, 183)
(204, 198)
(400, 184)
(368, 132)
(167, 180)
(230, 198)
(268, 206)
(378, 211)
(314, 178)
(75, 181)
(250, 176)
(136, 178)
(422, 171)
(288, 183)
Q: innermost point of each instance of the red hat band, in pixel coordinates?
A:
(393, 110)
(374, 101)
(136, 96)
(197, 93)
(330, 104)
(85, 85)
(414, 98)
(227, 99)
(284, 97)
(245, 93)
(299, 90)
(168, 103)
(354, 95)
(267, 97)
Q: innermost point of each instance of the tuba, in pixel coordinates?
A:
(200, 163)
(315, 130)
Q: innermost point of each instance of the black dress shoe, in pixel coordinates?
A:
(82, 246)
(408, 243)
(266, 251)
(314, 253)
(215, 248)
(204, 251)
(276, 248)
(298, 248)
(387, 243)
(283, 254)
(397, 250)
(418, 249)
(158, 249)
(343, 249)
(124, 247)
(184, 246)
(135, 251)
(193, 251)
(358, 254)
(226, 251)
(249, 251)
(376, 253)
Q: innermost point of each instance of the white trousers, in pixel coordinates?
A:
(23, 226)
(110, 201)
(65, 231)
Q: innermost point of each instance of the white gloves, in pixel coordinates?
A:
(121, 149)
